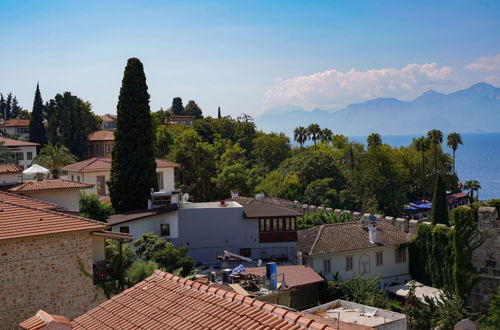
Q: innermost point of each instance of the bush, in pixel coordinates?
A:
(320, 218)
(139, 270)
(171, 259)
(148, 244)
(361, 290)
(92, 208)
(113, 256)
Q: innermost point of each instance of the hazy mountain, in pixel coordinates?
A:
(471, 110)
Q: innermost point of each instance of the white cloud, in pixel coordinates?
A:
(485, 63)
(333, 89)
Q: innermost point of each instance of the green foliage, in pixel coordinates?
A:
(374, 140)
(300, 135)
(439, 211)
(70, 121)
(9, 107)
(314, 132)
(466, 239)
(133, 162)
(54, 157)
(192, 109)
(6, 156)
(494, 203)
(140, 270)
(493, 318)
(37, 128)
(361, 290)
(177, 107)
(321, 218)
(171, 259)
(232, 171)
(164, 141)
(92, 208)
(452, 141)
(321, 192)
(147, 245)
(278, 183)
(435, 137)
(113, 256)
(472, 185)
(269, 150)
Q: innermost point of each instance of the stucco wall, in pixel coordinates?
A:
(25, 163)
(42, 272)
(389, 271)
(68, 199)
(9, 178)
(152, 224)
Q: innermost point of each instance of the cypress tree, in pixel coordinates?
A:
(177, 107)
(37, 130)
(218, 113)
(439, 211)
(133, 170)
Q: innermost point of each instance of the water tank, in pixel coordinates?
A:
(272, 275)
(225, 275)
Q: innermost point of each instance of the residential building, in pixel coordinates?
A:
(10, 174)
(97, 171)
(108, 122)
(24, 152)
(368, 248)
(44, 255)
(161, 221)
(100, 144)
(182, 119)
(166, 301)
(58, 191)
(20, 127)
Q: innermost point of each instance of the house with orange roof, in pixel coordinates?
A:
(24, 152)
(10, 174)
(108, 122)
(97, 171)
(20, 127)
(47, 260)
(100, 144)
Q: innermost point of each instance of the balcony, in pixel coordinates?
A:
(277, 236)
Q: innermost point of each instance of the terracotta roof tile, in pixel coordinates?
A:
(103, 164)
(48, 184)
(43, 319)
(17, 123)
(347, 236)
(19, 220)
(9, 168)
(103, 135)
(16, 143)
(26, 201)
(253, 208)
(295, 276)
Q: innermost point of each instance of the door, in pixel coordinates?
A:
(101, 185)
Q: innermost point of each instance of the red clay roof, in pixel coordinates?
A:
(347, 236)
(108, 117)
(9, 168)
(165, 301)
(102, 136)
(26, 201)
(295, 276)
(43, 319)
(103, 164)
(19, 220)
(17, 123)
(48, 184)
(16, 143)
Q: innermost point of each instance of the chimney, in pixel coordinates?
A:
(372, 230)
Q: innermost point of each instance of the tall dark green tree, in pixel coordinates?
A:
(439, 211)
(37, 130)
(192, 109)
(435, 137)
(177, 107)
(374, 140)
(133, 170)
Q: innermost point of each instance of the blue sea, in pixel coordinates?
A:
(477, 159)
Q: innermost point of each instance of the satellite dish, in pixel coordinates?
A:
(465, 324)
(185, 197)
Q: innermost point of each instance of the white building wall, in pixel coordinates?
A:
(168, 178)
(152, 224)
(98, 249)
(9, 178)
(69, 199)
(25, 162)
(389, 271)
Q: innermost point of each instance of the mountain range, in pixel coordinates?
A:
(472, 110)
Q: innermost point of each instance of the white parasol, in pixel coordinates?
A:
(36, 169)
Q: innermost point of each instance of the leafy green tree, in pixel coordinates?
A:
(326, 135)
(140, 270)
(113, 257)
(361, 290)
(37, 128)
(92, 208)
(177, 107)
(435, 137)
(269, 150)
(192, 109)
(422, 145)
(374, 140)
(314, 132)
(472, 185)
(281, 184)
(439, 211)
(164, 141)
(300, 135)
(171, 259)
(6, 156)
(339, 141)
(9, 107)
(466, 239)
(54, 157)
(24, 114)
(133, 162)
(321, 192)
(452, 141)
(418, 315)
(147, 245)
(232, 171)
(493, 318)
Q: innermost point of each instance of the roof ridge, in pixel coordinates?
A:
(320, 230)
(26, 197)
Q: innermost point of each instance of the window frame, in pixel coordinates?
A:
(164, 228)
(348, 263)
(125, 229)
(327, 266)
(379, 258)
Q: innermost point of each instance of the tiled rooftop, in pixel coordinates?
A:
(17, 219)
(295, 276)
(165, 301)
(253, 208)
(9, 168)
(102, 136)
(48, 184)
(16, 143)
(17, 123)
(103, 164)
(43, 319)
(347, 236)
(26, 201)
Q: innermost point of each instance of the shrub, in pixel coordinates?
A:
(139, 270)
(171, 259)
(320, 218)
(148, 244)
(92, 208)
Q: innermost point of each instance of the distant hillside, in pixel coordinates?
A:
(472, 110)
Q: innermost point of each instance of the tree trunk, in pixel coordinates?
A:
(454, 171)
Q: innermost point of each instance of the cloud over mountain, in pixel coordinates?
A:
(333, 88)
(485, 63)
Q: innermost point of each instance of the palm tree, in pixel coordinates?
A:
(422, 144)
(300, 135)
(452, 141)
(314, 132)
(54, 157)
(326, 135)
(374, 140)
(472, 185)
(436, 138)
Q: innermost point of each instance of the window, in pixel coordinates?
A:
(400, 255)
(287, 223)
(159, 176)
(280, 224)
(327, 266)
(101, 184)
(348, 263)
(19, 156)
(268, 224)
(165, 229)
(262, 224)
(72, 177)
(78, 178)
(246, 252)
(292, 223)
(380, 258)
(275, 224)
(124, 230)
(29, 155)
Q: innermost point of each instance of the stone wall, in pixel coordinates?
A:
(42, 272)
(486, 258)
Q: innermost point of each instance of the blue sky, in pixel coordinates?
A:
(248, 56)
